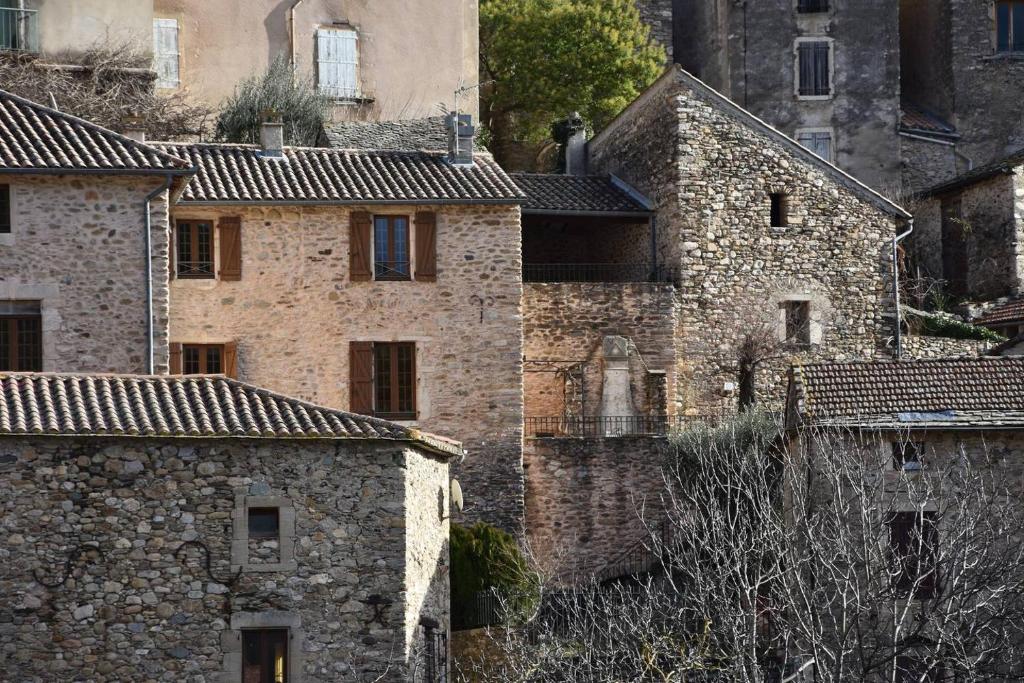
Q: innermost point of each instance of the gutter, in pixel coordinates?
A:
(291, 31)
(896, 285)
(166, 187)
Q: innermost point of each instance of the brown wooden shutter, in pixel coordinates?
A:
(174, 361)
(361, 377)
(360, 264)
(229, 229)
(231, 359)
(426, 246)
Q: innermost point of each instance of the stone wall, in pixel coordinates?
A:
(568, 321)
(587, 499)
(926, 164)
(77, 245)
(915, 346)
(295, 311)
(657, 14)
(735, 268)
(366, 518)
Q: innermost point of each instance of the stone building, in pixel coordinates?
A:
(897, 93)
(385, 282)
(164, 529)
(969, 240)
(83, 223)
(360, 54)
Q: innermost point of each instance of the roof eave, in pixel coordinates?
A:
(98, 171)
(351, 202)
(589, 214)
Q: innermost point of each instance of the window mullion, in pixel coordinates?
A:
(395, 384)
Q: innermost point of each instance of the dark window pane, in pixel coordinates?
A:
(1017, 27)
(406, 381)
(6, 362)
(391, 247)
(195, 250)
(779, 211)
(913, 540)
(380, 239)
(382, 378)
(213, 356)
(907, 456)
(812, 6)
(401, 238)
(265, 656)
(30, 345)
(184, 247)
(5, 208)
(190, 360)
(1003, 26)
(263, 523)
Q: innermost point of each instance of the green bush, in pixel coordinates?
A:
(951, 328)
(484, 557)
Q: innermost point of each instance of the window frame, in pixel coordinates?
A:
(800, 338)
(266, 655)
(830, 71)
(193, 225)
(393, 274)
(323, 36)
(10, 324)
(819, 6)
(204, 358)
(6, 210)
(907, 584)
(1015, 45)
(395, 387)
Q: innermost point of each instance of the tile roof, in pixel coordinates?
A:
(559, 193)
(180, 406)
(1003, 165)
(38, 138)
(919, 120)
(414, 134)
(242, 173)
(949, 392)
(1009, 312)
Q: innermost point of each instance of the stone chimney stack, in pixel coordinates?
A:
(133, 127)
(460, 138)
(272, 135)
(576, 146)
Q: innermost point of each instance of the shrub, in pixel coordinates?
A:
(484, 557)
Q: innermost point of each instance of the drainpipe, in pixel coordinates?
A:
(291, 30)
(149, 268)
(896, 285)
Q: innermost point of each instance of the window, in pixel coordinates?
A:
(383, 379)
(265, 655)
(954, 249)
(907, 455)
(1010, 26)
(814, 77)
(5, 208)
(913, 541)
(391, 248)
(202, 359)
(21, 336)
(798, 322)
(811, 6)
(780, 210)
(165, 53)
(337, 62)
(819, 142)
(264, 523)
(195, 249)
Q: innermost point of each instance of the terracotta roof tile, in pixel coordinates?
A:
(1012, 311)
(180, 406)
(34, 137)
(918, 119)
(242, 173)
(568, 193)
(940, 392)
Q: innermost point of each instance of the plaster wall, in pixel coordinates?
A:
(81, 24)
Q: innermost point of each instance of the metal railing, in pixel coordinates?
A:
(484, 610)
(435, 655)
(195, 268)
(19, 29)
(626, 425)
(598, 272)
(391, 270)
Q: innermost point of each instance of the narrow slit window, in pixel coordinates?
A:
(264, 523)
(779, 210)
(5, 208)
(265, 655)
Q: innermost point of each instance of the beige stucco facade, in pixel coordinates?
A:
(412, 55)
(77, 247)
(80, 24)
(295, 311)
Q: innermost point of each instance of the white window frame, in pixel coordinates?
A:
(159, 56)
(831, 158)
(333, 59)
(831, 67)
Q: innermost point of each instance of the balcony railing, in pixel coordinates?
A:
(626, 425)
(19, 29)
(597, 272)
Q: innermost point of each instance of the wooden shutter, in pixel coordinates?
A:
(337, 62)
(166, 53)
(361, 377)
(229, 233)
(174, 361)
(426, 246)
(231, 359)
(359, 262)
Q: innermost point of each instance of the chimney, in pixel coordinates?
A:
(575, 145)
(134, 127)
(272, 135)
(460, 138)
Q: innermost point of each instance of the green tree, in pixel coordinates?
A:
(485, 557)
(543, 59)
(302, 109)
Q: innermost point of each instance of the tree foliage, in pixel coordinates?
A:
(106, 84)
(484, 557)
(540, 60)
(302, 109)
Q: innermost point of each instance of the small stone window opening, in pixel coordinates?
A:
(907, 456)
(265, 655)
(779, 210)
(798, 322)
(264, 534)
(1010, 26)
(5, 208)
(264, 523)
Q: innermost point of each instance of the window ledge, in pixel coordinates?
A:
(351, 101)
(814, 98)
(1004, 57)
